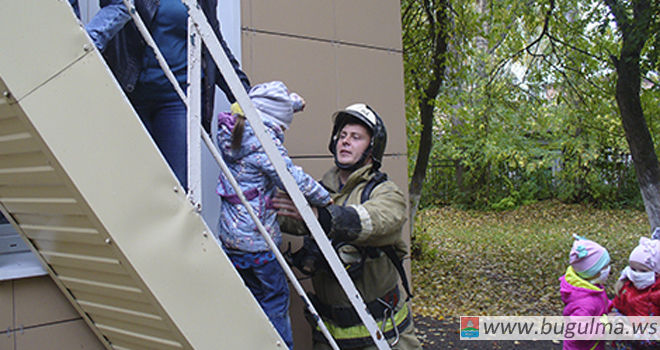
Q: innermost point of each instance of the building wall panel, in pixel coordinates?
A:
(6, 341)
(333, 53)
(369, 22)
(306, 67)
(60, 336)
(29, 294)
(6, 308)
(310, 18)
(374, 77)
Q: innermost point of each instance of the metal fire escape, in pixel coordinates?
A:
(86, 187)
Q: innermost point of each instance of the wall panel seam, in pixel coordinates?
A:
(323, 156)
(40, 325)
(329, 41)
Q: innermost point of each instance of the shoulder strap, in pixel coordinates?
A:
(376, 180)
(398, 264)
(389, 250)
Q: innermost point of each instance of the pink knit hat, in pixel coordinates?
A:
(587, 257)
(647, 253)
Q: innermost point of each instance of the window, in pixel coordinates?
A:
(16, 258)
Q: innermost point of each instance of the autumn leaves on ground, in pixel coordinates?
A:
(508, 263)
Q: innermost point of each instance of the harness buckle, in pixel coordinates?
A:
(389, 310)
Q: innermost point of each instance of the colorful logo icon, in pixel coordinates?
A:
(469, 327)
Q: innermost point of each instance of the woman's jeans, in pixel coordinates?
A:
(166, 123)
(268, 285)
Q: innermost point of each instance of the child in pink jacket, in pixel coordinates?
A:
(582, 289)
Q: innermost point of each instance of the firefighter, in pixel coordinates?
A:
(364, 224)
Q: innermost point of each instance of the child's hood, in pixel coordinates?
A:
(573, 287)
(250, 142)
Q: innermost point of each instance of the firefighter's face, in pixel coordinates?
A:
(353, 140)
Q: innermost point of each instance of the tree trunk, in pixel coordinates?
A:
(639, 138)
(439, 25)
(635, 33)
(423, 154)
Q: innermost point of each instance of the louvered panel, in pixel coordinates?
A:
(96, 251)
(62, 234)
(42, 175)
(107, 289)
(135, 291)
(25, 167)
(89, 262)
(9, 126)
(119, 347)
(128, 339)
(98, 311)
(148, 328)
(140, 306)
(72, 221)
(6, 109)
(17, 143)
(82, 273)
(46, 206)
(22, 160)
(35, 192)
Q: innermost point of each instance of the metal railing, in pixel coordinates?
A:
(200, 33)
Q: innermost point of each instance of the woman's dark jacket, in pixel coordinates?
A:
(125, 51)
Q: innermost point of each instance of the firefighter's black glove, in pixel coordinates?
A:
(341, 224)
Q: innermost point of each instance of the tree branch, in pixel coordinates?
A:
(575, 48)
(619, 12)
(546, 25)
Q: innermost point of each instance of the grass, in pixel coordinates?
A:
(508, 263)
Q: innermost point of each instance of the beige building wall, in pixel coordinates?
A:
(35, 315)
(333, 53)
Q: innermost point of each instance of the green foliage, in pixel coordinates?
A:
(527, 111)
